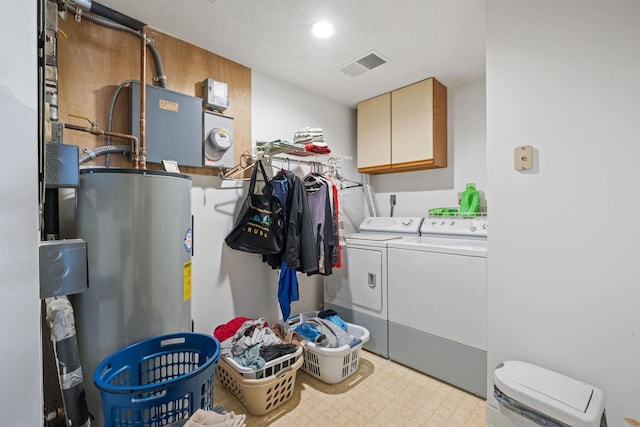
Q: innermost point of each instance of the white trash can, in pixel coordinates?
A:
(529, 395)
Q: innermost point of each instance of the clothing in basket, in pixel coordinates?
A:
(324, 333)
(203, 418)
(330, 365)
(254, 344)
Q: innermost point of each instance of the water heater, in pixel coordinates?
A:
(137, 227)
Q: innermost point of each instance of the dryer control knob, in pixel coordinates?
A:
(473, 228)
(407, 223)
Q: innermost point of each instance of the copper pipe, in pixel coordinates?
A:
(143, 97)
(96, 131)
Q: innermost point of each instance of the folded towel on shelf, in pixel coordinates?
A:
(317, 148)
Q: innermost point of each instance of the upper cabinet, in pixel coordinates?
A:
(404, 130)
(374, 132)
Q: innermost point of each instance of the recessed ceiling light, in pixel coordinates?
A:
(322, 29)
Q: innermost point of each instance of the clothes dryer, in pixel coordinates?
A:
(358, 290)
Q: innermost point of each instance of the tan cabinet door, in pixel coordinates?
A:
(374, 133)
(412, 123)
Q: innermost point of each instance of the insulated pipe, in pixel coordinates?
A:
(143, 97)
(61, 321)
(96, 131)
(116, 16)
(104, 11)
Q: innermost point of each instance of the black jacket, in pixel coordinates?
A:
(299, 247)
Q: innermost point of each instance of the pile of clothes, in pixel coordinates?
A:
(217, 417)
(251, 342)
(326, 330)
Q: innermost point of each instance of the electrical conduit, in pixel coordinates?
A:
(161, 77)
(99, 151)
(143, 97)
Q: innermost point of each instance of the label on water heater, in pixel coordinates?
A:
(186, 283)
(188, 240)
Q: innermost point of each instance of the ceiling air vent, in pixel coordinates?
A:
(366, 63)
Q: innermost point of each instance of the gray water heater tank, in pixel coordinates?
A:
(138, 229)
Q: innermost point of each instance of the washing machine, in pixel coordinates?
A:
(438, 311)
(358, 290)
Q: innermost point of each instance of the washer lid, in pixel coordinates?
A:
(372, 236)
(541, 389)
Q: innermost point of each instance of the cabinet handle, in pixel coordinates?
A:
(371, 280)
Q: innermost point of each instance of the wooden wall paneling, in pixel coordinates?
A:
(95, 60)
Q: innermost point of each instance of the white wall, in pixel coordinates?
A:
(229, 283)
(280, 109)
(417, 192)
(563, 248)
(20, 357)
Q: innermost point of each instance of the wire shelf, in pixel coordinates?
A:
(455, 214)
(283, 152)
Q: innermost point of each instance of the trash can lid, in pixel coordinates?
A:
(550, 393)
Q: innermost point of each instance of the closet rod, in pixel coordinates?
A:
(248, 159)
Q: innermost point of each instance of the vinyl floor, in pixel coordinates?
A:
(380, 393)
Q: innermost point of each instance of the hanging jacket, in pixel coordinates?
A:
(299, 250)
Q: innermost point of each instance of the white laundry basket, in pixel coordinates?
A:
(529, 395)
(331, 365)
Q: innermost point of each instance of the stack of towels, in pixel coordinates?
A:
(313, 140)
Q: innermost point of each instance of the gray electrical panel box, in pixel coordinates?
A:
(61, 165)
(173, 125)
(215, 95)
(63, 267)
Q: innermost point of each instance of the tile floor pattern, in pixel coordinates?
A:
(380, 393)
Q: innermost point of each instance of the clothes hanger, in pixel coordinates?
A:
(288, 168)
(246, 162)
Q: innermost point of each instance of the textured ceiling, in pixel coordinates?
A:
(419, 39)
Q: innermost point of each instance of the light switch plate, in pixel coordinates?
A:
(523, 157)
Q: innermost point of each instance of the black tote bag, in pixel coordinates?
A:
(259, 228)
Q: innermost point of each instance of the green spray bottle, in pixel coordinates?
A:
(470, 201)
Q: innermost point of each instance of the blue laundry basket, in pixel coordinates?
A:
(158, 381)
